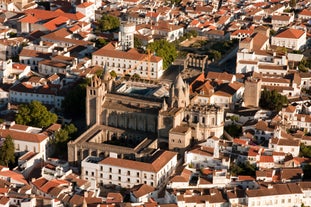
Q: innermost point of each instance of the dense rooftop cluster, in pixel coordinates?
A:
(230, 127)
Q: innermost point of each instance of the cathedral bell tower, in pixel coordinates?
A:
(107, 80)
(95, 93)
(179, 93)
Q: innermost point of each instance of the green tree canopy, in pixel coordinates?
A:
(35, 114)
(272, 100)
(62, 137)
(108, 23)
(305, 151)
(234, 130)
(7, 151)
(174, 1)
(165, 50)
(292, 3)
(100, 42)
(138, 44)
(243, 169)
(74, 102)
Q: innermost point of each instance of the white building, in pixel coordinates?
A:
(261, 61)
(39, 89)
(127, 173)
(27, 138)
(10, 47)
(291, 38)
(10, 72)
(88, 10)
(128, 62)
(126, 36)
(285, 145)
(285, 195)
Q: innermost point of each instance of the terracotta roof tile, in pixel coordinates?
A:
(4, 200)
(142, 190)
(264, 158)
(155, 166)
(16, 135)
(114, 198)
(85, 5)
(290, 33)
(110, 51)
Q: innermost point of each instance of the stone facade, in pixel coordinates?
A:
(138, 121)
(252, 92)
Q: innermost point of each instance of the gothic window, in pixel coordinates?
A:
(203, 120)
(195, 119)
(179, 141)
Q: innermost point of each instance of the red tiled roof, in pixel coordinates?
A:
(4, 200)
(85, 5)
(245, 177)
(240, 141)
(55, 23)
(29, 19)
(109, 51)
(266, 159)
(155, 166)
(45, 14)
(23, 136)
(305, 12)
(290, 33)
(19, 66)
(13, 176)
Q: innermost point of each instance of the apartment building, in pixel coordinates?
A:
(128, 62)
(127, 173)
(290, 38)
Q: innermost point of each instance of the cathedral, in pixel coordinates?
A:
(142, 121)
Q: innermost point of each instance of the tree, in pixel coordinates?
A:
(137, 43)
(108, 23)
(7, 152)
(307, 172)
(302, 67)
(174, 1)
(113, 74)
(165, 50)
(135, 76)
(62, 137)
(292, 3)
(100, 42)
(305, 151)
(74, 102)
(214, 55)
(235, 169)
(234, 130)
(35, 114)
(243, 169)
(272, 100)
